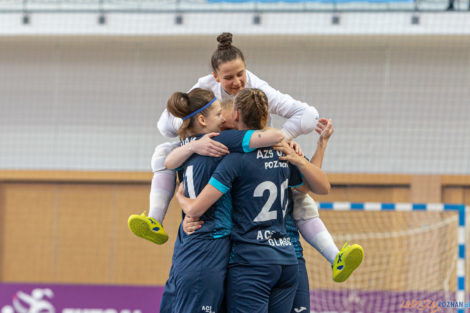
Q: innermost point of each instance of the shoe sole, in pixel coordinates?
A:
(352, 260)
(140, 227)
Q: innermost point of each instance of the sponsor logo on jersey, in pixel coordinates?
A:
(273, 239)
(207, 309)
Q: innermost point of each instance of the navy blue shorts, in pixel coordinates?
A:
(261, 288)
(169, 294)
(302, 296)
(199, 275)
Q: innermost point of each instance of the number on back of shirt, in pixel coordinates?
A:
(190, 182)
(266, 214)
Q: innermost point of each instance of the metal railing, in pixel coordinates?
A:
(156, 6)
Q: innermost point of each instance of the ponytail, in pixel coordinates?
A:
(183, 104)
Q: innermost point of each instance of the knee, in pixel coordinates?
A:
(159, 155)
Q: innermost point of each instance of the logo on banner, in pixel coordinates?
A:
(39, 302)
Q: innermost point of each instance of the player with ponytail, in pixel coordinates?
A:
(229, 76)
(200, 261)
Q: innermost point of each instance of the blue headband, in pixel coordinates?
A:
(199, 110)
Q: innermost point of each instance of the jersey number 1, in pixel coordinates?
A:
(190, 182)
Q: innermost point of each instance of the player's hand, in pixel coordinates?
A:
(325, 129)
(208, 147)
(191, 224)
(296, 147)
(289, 154)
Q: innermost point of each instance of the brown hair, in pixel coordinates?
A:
(252, 104)
(182, 104)
(225, 51)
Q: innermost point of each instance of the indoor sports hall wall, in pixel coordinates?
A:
(71, 227)
(399, 103)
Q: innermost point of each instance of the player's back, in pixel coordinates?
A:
(197, 171)
(259, 186)
(217, 219)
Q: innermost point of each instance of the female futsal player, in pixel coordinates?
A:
(263, 268)
(229, 76)
(206, 251)
(352, 254)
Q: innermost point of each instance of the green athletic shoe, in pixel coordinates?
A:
(147, 228)
(347, 260)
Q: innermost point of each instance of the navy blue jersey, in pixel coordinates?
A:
(293, 234)
(291, 226)
(181, 234)
(197, 171)
(259, 184)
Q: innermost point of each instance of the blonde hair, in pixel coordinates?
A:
(226, 104)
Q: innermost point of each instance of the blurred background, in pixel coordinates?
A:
(83, 83)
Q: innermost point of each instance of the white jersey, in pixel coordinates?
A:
(301, 118)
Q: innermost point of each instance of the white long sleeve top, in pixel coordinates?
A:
(301, 118)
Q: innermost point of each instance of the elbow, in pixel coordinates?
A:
(322, 189)
(325, 189)
(168, 165)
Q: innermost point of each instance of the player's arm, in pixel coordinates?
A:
(196, 207)
(301, 117)
(219, 184)
(325, 130)
(266, 138)
(204, 146)
(244, 141)
(313, 176)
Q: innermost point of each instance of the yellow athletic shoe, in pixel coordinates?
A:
(347, 260)
(147, 228)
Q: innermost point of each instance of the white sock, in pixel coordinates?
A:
(161, 192)
(163, 182)
(316, 234)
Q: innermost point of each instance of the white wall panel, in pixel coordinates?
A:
(399, 103)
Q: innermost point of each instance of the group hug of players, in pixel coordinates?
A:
(244, 195)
